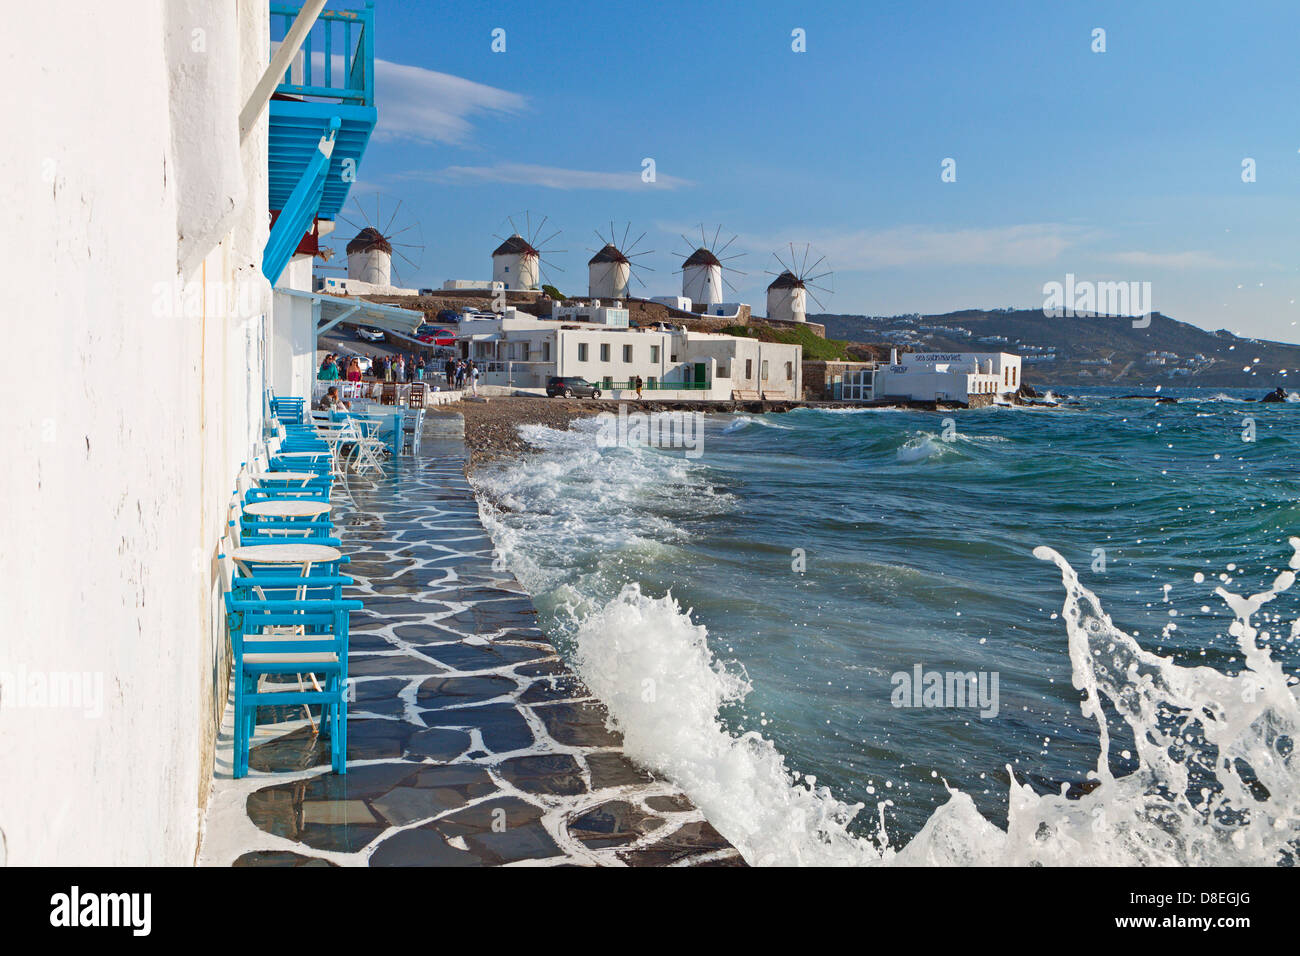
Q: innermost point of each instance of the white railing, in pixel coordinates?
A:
(434, 394)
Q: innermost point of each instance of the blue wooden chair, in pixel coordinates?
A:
(282, 637)
(289, 410)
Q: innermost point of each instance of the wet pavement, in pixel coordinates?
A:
(470, 742)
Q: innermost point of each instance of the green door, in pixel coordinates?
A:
(701, 375)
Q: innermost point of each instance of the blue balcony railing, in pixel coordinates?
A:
(337, 61)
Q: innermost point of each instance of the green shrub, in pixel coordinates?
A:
(815, 348)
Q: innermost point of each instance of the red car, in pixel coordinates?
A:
(437, 337)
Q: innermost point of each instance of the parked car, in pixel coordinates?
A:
(570, 386)
(448, 316)
(436, 337)
(370, 333)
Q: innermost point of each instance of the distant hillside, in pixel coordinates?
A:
(1101, 350)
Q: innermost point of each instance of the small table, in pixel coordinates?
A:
(295, 508)
(303, 555)
(286, 476)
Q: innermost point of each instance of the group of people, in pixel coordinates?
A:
(383, 368)
(460, 373)
(400, 368)
(336, 367)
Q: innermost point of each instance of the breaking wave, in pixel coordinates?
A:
(1212, 777)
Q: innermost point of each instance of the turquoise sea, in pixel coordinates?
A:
(746, 615)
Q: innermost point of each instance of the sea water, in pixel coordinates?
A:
(1120, 571)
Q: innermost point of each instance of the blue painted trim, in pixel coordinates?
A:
(298, 213)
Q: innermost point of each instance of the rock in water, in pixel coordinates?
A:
(1277, 395)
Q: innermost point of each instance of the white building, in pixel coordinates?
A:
(613, 315)
(459, 285)
(522, 352)
(678, 302)
(516, 264)
(608, 274)
(969, 377)
(787, 298)
(702, 277)
(141, 215)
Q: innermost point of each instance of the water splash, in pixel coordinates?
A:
(1217, 780)
(1212, 777)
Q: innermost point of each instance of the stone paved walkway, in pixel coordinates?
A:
(470, 742)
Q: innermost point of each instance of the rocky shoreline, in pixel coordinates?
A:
(492, 424)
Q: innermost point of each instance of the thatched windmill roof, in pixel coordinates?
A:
(701, 257)
(516, 245)
(367, 239)
(610, 253)
(786, 280)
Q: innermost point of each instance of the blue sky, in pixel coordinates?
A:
(1122, 165)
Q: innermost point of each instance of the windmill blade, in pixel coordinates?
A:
(396, 209)
(627, 250)
(349, 222)
(817, 300)
(532, 239)
(717, 232)
(724, 246)
(807, 269)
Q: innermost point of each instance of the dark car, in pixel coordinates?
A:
(570, 386)
(448, 316)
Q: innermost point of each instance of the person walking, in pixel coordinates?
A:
(473, 377)
(638, 383)
(450, 371)
(419, 370)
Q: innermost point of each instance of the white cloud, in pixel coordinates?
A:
(427, 106)
(550, 177)
(1171, 260)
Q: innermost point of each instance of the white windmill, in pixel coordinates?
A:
(371, 251)
(611, 270)
(518, 263)
(703, 270)
(788, 293)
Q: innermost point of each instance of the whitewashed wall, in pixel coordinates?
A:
(292, 343)
(137, 395)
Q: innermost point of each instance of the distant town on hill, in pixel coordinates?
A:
(1087, 349)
